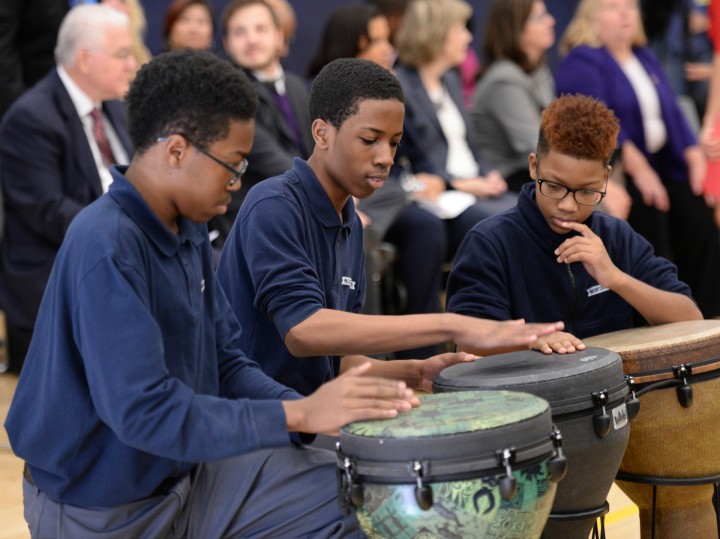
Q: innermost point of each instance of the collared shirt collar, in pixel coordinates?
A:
(277, 78)
(135, 206)
(83, 104)
(320, 201)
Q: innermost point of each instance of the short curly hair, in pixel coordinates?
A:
(343, 83)
(190, 92)
(579, 126)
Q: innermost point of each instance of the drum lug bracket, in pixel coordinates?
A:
(633, 403)
(508, 484)
(558, 464)
(352, 489)
(423, 493)
(684, 391)
(602, 423)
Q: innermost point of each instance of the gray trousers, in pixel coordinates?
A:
(278, 493)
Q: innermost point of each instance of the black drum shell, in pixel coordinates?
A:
(567, 382)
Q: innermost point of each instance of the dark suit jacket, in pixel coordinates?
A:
(274, 146)
(423, 141)
(28, 32)
(48, 175)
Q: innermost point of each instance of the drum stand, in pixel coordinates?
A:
(675, 482)
(597, 513)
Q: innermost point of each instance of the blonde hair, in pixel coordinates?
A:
(581, 30)
(421, 36)
(138, 26)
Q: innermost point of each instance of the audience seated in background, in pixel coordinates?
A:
(189, 24)
(27, 41)
(665, 168)
(51, 164)
(253, 41)
(438, 136)
(515, 85)
(419, 236)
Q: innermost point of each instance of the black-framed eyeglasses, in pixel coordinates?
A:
(556, 191)
(237, 173)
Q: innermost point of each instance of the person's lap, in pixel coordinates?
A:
(287, 492)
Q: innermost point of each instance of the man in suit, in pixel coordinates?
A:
(254, 41)
(56, 144)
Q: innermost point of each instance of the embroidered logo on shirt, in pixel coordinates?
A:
(595, 290)
(347, 281)
(202, 286)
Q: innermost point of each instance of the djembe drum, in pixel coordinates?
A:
(587, 393)
(470, 465)
(673, 459)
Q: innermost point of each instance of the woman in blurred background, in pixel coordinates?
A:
(607, 58)
(515, 85)
(189, 24)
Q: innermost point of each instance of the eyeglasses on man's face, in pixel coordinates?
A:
(237, 172)
(556, 191)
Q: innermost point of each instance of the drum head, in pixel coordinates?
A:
(451, 425)
(655, 349)
(558, 378)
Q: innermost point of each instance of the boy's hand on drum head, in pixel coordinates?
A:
(429, 368)
(484, 337)
(559, 342)
(348, 398)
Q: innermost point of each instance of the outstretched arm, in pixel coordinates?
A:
(331, 332)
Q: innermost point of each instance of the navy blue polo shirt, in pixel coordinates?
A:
(134, 374)
(288, 256)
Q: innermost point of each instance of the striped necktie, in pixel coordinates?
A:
(101, 138)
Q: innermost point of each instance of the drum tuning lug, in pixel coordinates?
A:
(423, 493)
(354, 490)
(632, 405)
(357, 496)
(685, 395)
(602, 422)
(508, 484)
(684, 391)
(558, 464)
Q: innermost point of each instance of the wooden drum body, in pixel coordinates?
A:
(673, 456)
(587, 393)
(460, 465)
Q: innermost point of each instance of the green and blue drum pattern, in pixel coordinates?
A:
(470, 507)
(444, 414)
(462, 509)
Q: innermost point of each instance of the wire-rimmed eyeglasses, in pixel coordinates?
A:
(237, 173)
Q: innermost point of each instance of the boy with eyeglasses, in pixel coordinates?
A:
(553, 257)
(137, 412)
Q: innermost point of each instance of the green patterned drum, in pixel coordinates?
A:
(476, 464)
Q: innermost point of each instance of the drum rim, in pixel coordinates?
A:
(400, 470)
